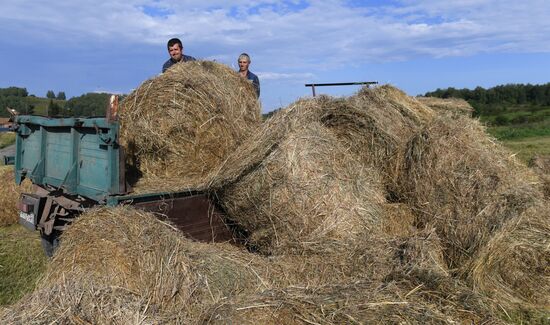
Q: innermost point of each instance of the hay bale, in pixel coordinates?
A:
(295, 187)
(514, 266)
(386, 118)
(393, 110)
(447, 105)
(9, 196)
(180, 125)
(121, 264)
(463, 183)
(290, 167)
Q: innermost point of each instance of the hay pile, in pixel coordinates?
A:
(360, 302)
(296, 187)
(447, 105)
(458, 180)
(514, 266)
(384, 119)
(121, 265)
(541, 165)
(180, 125)
(366, 209)
(9, 196)
(317, 171)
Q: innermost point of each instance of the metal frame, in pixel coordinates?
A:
(340, 84)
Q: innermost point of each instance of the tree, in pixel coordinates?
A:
(90, 104)
(50, 94)
(53, 108)
(61, 95)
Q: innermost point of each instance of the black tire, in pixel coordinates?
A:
(50, 243)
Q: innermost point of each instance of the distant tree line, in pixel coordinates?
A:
(60, 95)
(499, 99)
(90, 104)
(14, 97)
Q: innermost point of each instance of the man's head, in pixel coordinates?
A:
(175, 49)
(244, 62)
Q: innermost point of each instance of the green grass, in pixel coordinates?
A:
(528, 147)
(22, 262)
(515, 132)
(41, 104)
(6, 139)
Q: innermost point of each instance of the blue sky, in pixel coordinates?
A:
(113, 46)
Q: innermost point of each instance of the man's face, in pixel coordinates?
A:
(243, 64)
(175, 52)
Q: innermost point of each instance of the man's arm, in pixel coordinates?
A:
(256, 83)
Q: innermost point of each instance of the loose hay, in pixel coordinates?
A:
(461, 182)
(361, 302)
(514, 267)
(447, 105)
(306, 192)
(182, 124)
(9, 196)
(541, 165)
(312, 174)
(121, 265)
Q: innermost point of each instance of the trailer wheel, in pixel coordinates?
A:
(50, 243)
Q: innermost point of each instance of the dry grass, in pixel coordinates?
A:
(447, 105)
(296, 187)
(9, 196)
(458, 180)
(121, 265)
(465, 229)
(180, 125)
(541, 165)
(360, 302)
(514, 266)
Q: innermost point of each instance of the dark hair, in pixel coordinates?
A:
(174, 41)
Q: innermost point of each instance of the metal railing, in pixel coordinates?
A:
(340, 84)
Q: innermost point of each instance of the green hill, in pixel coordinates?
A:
(40, 104)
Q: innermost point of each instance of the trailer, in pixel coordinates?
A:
(75, 164)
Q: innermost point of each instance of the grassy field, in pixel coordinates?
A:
(41, 104)
(526, 148)
(22, 261)
(6, 139)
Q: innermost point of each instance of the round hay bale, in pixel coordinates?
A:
(294, 187)
(392, 110)
(460, 181)
(180, 125)
(514, 266)
(120, 264)
(447, 105)
(9, 195)
(387, 118)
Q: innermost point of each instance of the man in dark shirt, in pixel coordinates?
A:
(175, 49)
(244, 63)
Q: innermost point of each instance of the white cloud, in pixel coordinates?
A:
(322, 35)
(277, 76)
(285, 42)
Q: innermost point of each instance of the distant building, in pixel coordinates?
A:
(5, 122)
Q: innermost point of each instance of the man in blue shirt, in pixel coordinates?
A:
(244, 63)
(175, 49)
